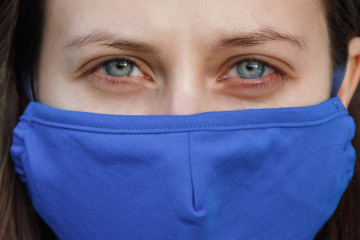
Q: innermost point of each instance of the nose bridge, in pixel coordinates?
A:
(186, 93)
(186, 86)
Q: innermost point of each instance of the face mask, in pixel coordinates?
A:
(249, 174)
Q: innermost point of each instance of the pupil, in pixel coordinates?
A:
(121, 65)
(251, 66)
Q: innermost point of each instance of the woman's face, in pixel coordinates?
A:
(183, 57)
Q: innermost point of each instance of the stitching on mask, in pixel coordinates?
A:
(199, 127)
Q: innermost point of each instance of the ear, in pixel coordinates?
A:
(352, 75)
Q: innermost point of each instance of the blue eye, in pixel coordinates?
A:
(121, 68)
(251, 70)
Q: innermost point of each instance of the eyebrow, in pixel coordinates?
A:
(110, 40)
(260, 37)
(241, 40)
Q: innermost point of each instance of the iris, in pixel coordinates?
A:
(119, 68)
(250, 70)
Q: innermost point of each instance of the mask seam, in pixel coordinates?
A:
(21, 165)
(350, 169)
(191, 171)
(279, 124)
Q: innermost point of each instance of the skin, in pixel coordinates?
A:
(191, 67)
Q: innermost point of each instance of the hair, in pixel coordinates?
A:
(24, 19)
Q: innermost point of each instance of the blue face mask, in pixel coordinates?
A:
(249, 174)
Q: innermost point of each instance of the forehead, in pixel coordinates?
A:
(174, 19)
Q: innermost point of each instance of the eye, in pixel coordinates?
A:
(120, 68)
(118, 74)
(253, 76)
(250, 69)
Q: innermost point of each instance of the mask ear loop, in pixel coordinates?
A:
(26, 82)
(338, 76)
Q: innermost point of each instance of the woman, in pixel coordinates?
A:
(110, 177)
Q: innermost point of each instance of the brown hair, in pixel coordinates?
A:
(18, 21)
(21, 24)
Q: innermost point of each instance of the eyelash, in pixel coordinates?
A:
(133, 80)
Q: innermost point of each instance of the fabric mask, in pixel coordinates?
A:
(249, 174)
